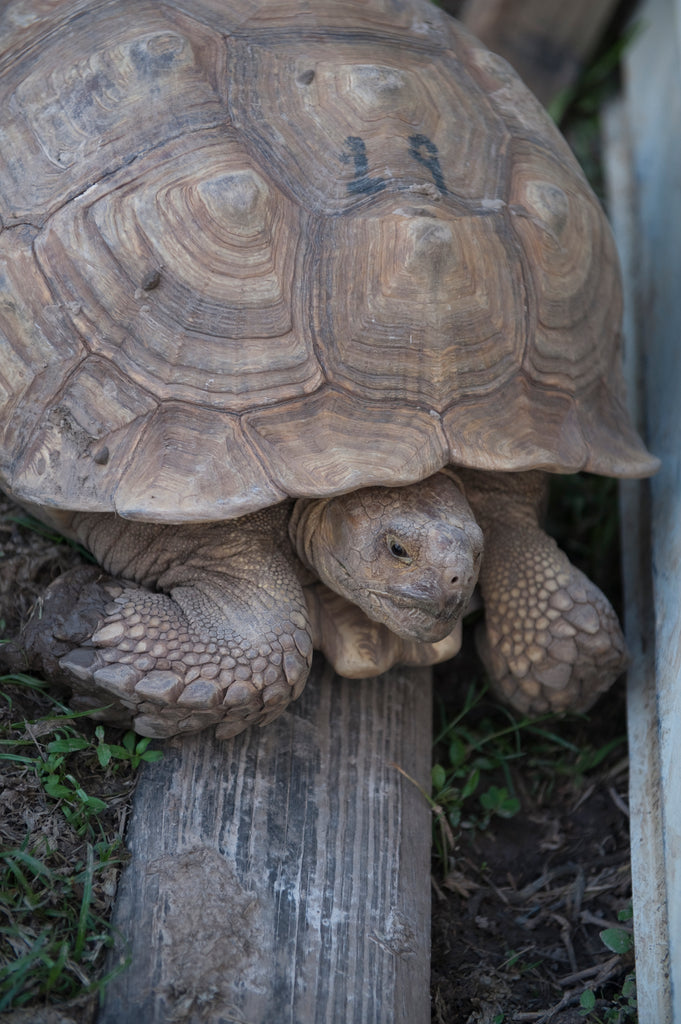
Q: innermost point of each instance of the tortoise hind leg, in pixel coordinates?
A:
(551, 640)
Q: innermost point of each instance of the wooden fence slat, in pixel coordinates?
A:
(643, 147)
(284, 876)
(645, 808)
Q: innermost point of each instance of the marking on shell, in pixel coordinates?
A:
(422, 149)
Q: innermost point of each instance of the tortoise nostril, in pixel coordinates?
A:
(455, 579)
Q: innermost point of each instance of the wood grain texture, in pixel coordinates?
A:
(546, 41)
(644, 154)
(284, 875)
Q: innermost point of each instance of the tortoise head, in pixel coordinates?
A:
(407, 556)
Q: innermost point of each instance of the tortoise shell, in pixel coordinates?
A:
(272, 249)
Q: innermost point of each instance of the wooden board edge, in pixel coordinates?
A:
(285, 874)
(650, 524)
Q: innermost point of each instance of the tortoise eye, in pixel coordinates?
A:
(398, 550)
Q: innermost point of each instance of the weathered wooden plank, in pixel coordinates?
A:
(646, 828)
(643, 145)
(284, 875)
(546, 41)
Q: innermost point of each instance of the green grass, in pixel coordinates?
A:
(62, 845)
(475, 755)
(53, 936)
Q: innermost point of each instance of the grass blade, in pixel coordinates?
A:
(86, 901)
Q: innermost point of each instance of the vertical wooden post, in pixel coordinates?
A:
(283, 876)
(643, 149)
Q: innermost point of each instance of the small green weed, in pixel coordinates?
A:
(473, 783)
(51, 761)
(473, 778)
(132, 752)
(57, 880)
(622, 1007)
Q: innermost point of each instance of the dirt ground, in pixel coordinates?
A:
(518, 910)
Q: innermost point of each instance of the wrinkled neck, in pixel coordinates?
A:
(303, 528)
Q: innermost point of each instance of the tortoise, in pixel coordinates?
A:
(301, 305)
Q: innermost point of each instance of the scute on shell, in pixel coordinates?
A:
(278, 249)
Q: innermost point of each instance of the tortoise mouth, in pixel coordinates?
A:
(414, 619)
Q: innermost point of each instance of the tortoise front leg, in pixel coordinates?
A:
(551, 639)
(209, 629)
